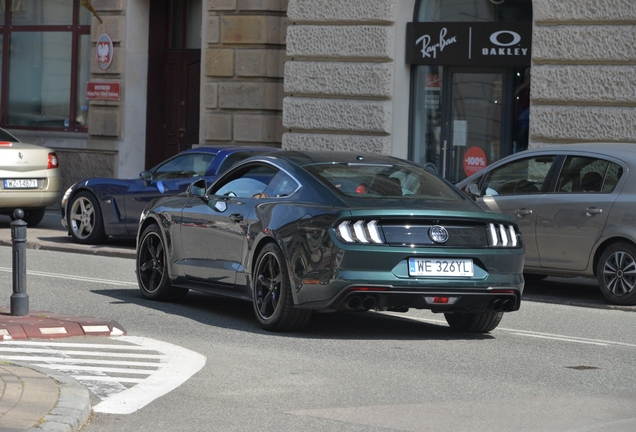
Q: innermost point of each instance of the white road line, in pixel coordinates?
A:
(72, 277)
(79, 361)
(182, 365)
(83, 353)
(174, 365)
(92, 368)
(107, 378)
(79, 345)
(563, 338)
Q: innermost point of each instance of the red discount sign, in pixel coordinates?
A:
(474, 160)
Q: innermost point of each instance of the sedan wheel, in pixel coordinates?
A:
(85, 219)
(617, 273)
(477, 322)
(152, 273)
(272, 297)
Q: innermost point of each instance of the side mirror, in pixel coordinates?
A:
(473, 190)
(145, 176)
(198, 189)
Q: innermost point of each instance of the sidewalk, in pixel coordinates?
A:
(51, 235)
(38, 399)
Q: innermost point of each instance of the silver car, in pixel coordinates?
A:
(576, 208)
(29, 178)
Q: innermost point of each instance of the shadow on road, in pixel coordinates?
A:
(238, 315)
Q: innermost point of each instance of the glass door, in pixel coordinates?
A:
(473, 130)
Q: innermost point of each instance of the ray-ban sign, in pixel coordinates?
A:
(469, 44)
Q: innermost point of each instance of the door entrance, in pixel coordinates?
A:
(174, 78)
(182, 96)
(473, 130)
(467, 118)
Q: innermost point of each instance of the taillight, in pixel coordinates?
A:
(53, 163)
(501, 235)
(360, 231)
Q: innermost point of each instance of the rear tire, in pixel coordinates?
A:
(616, 273)
(85, 220)
(271, 293)
(475, 322)
(152, 270)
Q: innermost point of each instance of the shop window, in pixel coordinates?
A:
(45, 60)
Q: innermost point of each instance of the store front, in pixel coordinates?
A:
(470, 83)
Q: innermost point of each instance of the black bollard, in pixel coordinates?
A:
(19, 298)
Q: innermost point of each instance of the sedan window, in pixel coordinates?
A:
(524, 176)
(187, 165)
(588, 175)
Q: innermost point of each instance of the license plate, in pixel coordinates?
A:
(20, 184)
(440, 267)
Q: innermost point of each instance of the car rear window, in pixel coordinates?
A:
(384, 181)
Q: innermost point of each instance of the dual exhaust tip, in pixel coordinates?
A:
(500, 305)
(357, 302)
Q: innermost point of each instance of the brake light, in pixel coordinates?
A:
(441, 300)
(53, 162)
(5, 143)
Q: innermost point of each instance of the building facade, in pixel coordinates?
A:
(451, 84)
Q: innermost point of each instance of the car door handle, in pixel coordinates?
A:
(523, 212)
(236, 217)
(590, 211)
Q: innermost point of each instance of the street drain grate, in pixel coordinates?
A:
(582, 367)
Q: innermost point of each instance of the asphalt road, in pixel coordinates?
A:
(553, 365)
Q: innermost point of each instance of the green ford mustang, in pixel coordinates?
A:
(297, 232)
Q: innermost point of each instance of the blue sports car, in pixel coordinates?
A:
(96, 208)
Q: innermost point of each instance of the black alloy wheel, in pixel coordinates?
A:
(475, 322)
(84, 218)
(152, 273)
(271, 295)
(616, 273)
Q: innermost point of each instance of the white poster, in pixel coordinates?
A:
(460, 132)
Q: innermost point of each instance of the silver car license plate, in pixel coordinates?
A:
(20, 183)
(440, 267)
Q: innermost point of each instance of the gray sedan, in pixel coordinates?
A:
(576, 208)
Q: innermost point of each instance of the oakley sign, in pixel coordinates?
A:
(469, 44)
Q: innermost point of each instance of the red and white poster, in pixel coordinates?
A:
(474, 160)
(104, 51)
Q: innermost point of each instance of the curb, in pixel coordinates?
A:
(73, 408)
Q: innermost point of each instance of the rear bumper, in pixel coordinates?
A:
(47, 195)
(359, 298)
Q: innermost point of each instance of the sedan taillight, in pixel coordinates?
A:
(53, 162)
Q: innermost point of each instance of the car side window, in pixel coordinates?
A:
(248, 182)
(184, 166)
(588, 175)
(282, 185)
(524, 176)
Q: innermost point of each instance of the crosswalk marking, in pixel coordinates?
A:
(125, 375)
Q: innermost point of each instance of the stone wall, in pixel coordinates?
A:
(243, 57)
(339, 77)
(583, 72)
